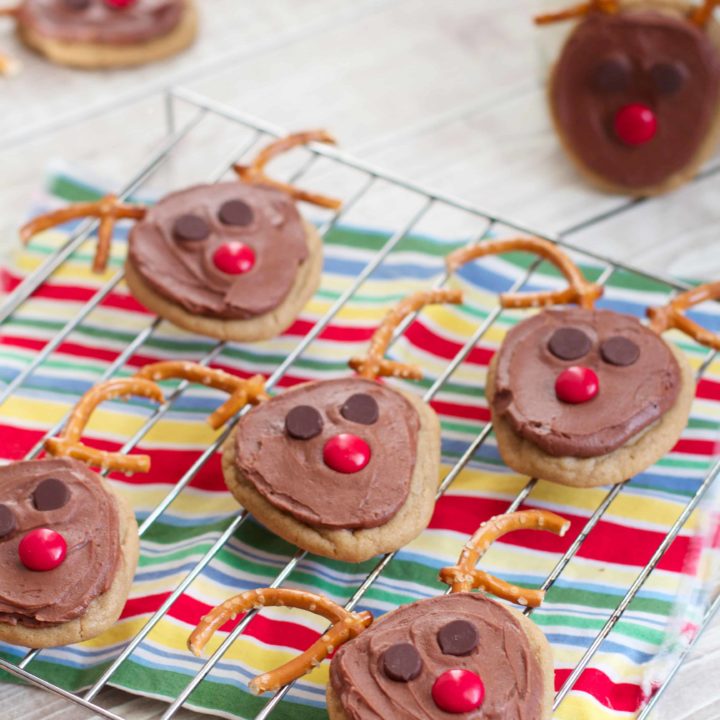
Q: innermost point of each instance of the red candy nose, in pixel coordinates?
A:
(576, 384)
(458, 691)
(42, 550)
(120, 3)
(346, 453)
(234, 258)
(635, 124)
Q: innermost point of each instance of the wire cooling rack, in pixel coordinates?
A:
(201, 109)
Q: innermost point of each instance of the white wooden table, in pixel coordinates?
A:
(446, 93)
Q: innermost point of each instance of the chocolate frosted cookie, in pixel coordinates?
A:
(95, 34)
(344, 468)
(401, 668)
(232, 260)
(635, 92)
(68, 552)
(580, 396)
(461, 654)
(68, 544)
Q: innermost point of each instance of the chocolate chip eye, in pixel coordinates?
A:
(361, 408)
(7, 521)
(303, 422)
(611, 75)
(401, 662)
(620, 351)
(458, 638)
(190, 228)
(235, 212)
(668, 77)
(77, 4)
(51, 494)
(569, 343)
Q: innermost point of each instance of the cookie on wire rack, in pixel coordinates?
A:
(344, 468)
(458, 654)
(635, 92)
(101, 34)
(231, 260)
(69, 544)
(581, 396)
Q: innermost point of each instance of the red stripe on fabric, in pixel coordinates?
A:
(78, 293)
(424, 338)
(624, 697)
(145, 605)
(335, 333)
(167, 465)
(75, 349)
(696, 447)
(608, 542)
(272, 632)
(467, 412)
(708, 389)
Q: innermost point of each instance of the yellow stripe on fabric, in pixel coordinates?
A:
(186, 504)
(121, 632)
(580, 706)
(245, 650)
(190, 435)
(616, 666)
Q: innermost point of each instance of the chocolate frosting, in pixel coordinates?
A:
(631, 396)
(290, 473)
(503, 659)
(183, 271)
(656, 59)
(143, 21)
(89, 523)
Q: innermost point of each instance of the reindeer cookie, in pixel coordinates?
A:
(461, 654)
(96, 34)
(586, 397)
(68, 544)
(344, 468)
(635, 93)
(232, 260)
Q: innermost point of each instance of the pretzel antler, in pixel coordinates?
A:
(580, 291)
(255, 172)
(241, 391)
(671, 315)
(702, 15)
(9, 66)
(375, 365)
(464, 577)
(69, 445)
(346, 625)
(108, 210)
(610, 7)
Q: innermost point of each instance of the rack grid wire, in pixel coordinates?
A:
(258, 130)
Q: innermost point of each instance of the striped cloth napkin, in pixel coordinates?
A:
(576, 607)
